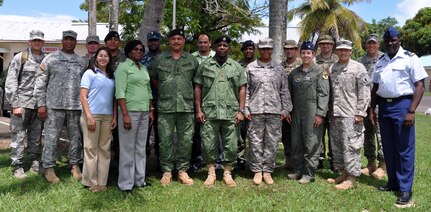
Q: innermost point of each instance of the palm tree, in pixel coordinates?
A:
(329, 17)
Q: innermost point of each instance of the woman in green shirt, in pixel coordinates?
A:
(133, 94)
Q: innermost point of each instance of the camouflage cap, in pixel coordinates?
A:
(36, 34)
(326, 39)
(290, 44)
(69, 33)
(372, 37)
(92, 38)
(344, 44)
(265, 43)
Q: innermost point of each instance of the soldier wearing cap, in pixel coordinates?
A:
(309, 87)
(292, 61)
(92, 43)
(204, 48)
(220, 86)
(349, 101)
(113, 42)
(247, 50)
(57, 94)
(19, 86)
(153, 43)
(325, 59)
(398, 89)
(172, 74)
(267, 103)
(372, 44)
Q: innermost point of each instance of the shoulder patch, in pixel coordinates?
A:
(365, 79)
(411, 54)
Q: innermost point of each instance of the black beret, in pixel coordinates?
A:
(176, 32)
(223, 38)
(246, 44)
(307, 45)
(112, 34)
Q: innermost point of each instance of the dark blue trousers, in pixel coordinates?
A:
(398, 143)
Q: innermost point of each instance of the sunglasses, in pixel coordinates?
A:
(139, 49)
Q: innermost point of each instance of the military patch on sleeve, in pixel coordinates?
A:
(325, 75)
(365, 79)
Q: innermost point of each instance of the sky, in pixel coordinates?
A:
(66, 10)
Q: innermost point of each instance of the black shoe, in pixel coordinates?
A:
(128, 191)
(404, 198)
(387, 188)
(320, 166)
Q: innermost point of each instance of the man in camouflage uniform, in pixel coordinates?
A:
(325, 59)
(113, 42)
(57, 94)
(220, 103)
(267, 104)
(350, 99)
(19, 88)
(172, 74)
(292, 61)
(309, 87)
(372, 44)
(247, 50)
(92, 45)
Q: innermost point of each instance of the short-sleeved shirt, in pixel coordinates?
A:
(133, 85)
(396, 76)
(175, 82)
(220, 88)
(100, 91)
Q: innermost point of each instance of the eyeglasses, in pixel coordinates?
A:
(139, 49)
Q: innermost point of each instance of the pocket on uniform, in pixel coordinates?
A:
(356, 138)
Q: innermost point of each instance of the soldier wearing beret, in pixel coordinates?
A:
(172, 75)
(247, 50)
(350, 98)
(220, 87)
(309, 87)
(57, 94)
(113, 42)
(372, 45)
(19, 86)
(398, 89)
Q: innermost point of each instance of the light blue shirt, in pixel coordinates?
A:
(396, 76)
(101, 91)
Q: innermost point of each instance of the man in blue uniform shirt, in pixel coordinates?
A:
(398, 89)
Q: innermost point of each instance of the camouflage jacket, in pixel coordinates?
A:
(58, 84)
(267, 90)
(289, 67)
(19, 90)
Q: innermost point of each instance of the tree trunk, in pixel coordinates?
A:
(277, 26)
(113, 15)
(153, 16)
(92, 20)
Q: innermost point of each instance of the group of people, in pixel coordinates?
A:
(202, 106)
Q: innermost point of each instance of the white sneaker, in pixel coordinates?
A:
(19, 173)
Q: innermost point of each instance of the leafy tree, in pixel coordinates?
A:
(416, 33)
(329, 17)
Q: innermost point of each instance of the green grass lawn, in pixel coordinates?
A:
(35, 194)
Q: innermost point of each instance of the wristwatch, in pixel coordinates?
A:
(242, 111)
(411, 111)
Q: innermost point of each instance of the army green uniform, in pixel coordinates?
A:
(310, 97)
(176, 108)
(325, 64)
(370, 133)
(286, 128)
(220, 103)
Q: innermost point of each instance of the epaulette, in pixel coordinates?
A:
(381, 56)
(411, 54)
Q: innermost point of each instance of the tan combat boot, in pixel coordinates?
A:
(380, 173)
(371, 167)
(76, 172)
(210, 181)
(166, 178)
(267, 178)
(227, 176)
(184, 178)
(339, 179)
(257, 179)
(349, 183)
(50, 176)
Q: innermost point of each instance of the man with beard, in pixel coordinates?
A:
(398, 89)
(220, 103)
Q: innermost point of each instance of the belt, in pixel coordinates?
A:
(397, 99)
